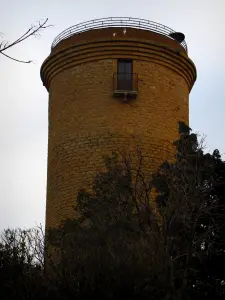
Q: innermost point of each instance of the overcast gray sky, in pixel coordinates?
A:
(24, 101)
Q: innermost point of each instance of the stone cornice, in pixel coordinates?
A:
(90, 51)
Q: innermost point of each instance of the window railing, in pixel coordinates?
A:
(125, 83)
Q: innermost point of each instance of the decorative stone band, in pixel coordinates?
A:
(89, 51)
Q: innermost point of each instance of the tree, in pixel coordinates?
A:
(21, 263)
(34, 30)
(104, 252)
(191, 201)
(121, 247)
(211, 274)
(22, 274)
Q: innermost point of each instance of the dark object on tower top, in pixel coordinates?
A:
(178, 36)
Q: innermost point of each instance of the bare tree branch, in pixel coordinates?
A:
(32, 31)
(17, 60)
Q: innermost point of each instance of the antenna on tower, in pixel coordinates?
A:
(178, 36)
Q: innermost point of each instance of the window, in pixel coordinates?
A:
(124, 72)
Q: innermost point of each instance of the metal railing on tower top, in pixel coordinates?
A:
(127, 22)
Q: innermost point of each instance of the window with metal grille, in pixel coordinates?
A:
(124, 74)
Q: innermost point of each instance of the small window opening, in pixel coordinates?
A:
(124, 74)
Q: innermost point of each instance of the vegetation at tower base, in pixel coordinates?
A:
(191, 199)
(123, 246)
(21, 264)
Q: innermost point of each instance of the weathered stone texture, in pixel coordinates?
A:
(86, 122)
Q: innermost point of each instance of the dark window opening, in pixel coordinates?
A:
(124, 74)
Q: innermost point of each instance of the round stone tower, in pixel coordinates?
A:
(112, 82)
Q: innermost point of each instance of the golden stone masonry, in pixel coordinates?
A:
(111, 82)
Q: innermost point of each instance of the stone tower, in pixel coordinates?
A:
(111, 82)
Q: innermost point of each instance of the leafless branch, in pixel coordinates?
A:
(34, 30)
(17, 60)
